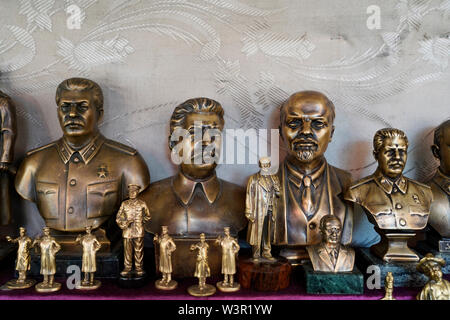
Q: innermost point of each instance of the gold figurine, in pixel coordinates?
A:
(330, 255)
(132, 216)
(396, 205)
(436, 288)
(166, 247)
(23, 261)
(89, 265)
(388, 287)
(230, 249)
(202, 270)
(49, 247)
(261, 209)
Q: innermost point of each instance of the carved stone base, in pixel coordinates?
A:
(44, 288)
(333, 283)
(159, 284)
(264, 275)
(15, 284)
(393, 247)
(84, 286)
(196, 291)
(227, 287)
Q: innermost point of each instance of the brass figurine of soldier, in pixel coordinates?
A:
(230, 249)
(310, 187)
(261, 210)
(90, 246)
(48, 249)
(396, 205)
(22, 262)
(388, 287)
(132, 216)
(436, 288)
(166, 247)
(330, 255)
(202, 271)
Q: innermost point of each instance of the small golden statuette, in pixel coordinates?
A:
(49, 247)
(23, 261)
(388, 287)
(202, 271)
(90, 246)
(166, 247)
(230, 249)
(436, 288)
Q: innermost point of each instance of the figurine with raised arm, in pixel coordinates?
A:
(48, 249)
(261, 209)
(436, 288)
(230, 249)
(166, 247)
(89, 266)
(202, 270)
(132, 216)
(23, 261)
(388, 287)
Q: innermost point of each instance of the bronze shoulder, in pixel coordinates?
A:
(419, 184)
(47, 146)
(120, 147)
(362, 182)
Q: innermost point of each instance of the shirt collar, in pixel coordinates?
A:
(86, 153)
(442, 181)
(184, 187)
(296, 176)
(388, 185)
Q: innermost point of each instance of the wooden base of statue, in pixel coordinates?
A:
(227, 287)
(16, 284)
(205, 291)
(264, 275)
(162, 285)
(132, 280)
(87, 286)
(393, 247)
(45, 288)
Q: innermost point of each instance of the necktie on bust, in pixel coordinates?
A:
(307, 200)
(334, 256)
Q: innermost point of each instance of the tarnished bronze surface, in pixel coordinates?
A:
(230, 249)
(8, 132)
(90, 246)
(396, 205)
(330, 255)
(22, 261)
(202, 271)
(436, 288)
(440, 183)
(48, 249)
(310, 187)
(80, 179)
(388, 287)
(166, 247)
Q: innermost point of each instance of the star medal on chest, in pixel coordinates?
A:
(102, 171)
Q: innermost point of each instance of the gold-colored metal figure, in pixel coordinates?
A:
(440, 186)
(166, 247)
(388, 287)
(80, 179)
(330, 255)
(202, 271)
(396, 205)
(23, 261)
(48, 249)
(230, 249)
(310, 187)
(90, 246)
(261, 209)
(8, 132)
(436, 288)
(132, 216)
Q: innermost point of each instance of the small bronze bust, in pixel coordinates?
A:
(330, 255)
(436, 288)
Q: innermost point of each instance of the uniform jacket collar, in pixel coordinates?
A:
(388, 185)
(184, 187)
(86, 153)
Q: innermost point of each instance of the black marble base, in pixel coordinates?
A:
(405, 273)
(333, 283)
(132, 281)
(424, 248)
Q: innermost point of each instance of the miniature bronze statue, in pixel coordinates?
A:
(330, 255)
(23, 261)
(388, 287)
(261, 209)
(80, 179)
(132, 216)
(436, 288)
(90, 246)
(166, 247)
(230, 249)
(440, 186)
(396, 205)
(202, 270)
(310, 187)
(48, 249)
(8, 130)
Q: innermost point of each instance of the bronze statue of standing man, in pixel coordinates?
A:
(230, 249)
(23, 261)
(49, 247)
(166, 247)
(89, 266)
(132, 216)
(202, 270)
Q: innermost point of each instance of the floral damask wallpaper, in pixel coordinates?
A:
(384, 63)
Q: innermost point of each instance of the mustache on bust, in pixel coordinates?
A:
(73, 121)
(395, 163)
(305, 143)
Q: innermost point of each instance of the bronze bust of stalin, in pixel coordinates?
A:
(80, 179)
(396, 205)
(311, 188)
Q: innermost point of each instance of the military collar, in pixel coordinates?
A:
(86, 153)
(296, 176)
(442, 181)
(388, 185)
(184, 187)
